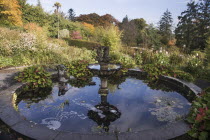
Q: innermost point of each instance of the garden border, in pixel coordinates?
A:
(11, 117)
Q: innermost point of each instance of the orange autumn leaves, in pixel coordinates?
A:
(89, 26)
(32, 27)
(10, 12)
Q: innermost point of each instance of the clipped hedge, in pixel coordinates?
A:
(82, 43)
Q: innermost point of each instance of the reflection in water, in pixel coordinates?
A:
(133, 106)
(108, 113)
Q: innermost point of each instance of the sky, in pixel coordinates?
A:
(150, 10)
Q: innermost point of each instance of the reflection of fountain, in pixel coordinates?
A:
(104, 69)
(109, 113)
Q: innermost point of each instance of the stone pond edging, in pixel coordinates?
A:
(11, 117)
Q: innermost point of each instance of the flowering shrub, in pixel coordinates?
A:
(161, 58)
(194, 66)
(64, 33)
(147, 56)
(176, 59)
(27, 41)
(76, 35)
(40, 33)
(199, 116)
(34, 77)
(8, 40)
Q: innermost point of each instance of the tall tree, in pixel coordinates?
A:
(10, 13)
(39, 4)
(57, 5)
(22, 3)
(34, 14)
(108, 20)
(129, 32)
(71, 14)
(194, 26)
(204, 23)
(150, 37)
(165, 27)
(140, 24)
(125, 19)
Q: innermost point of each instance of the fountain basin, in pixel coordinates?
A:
(104, 69)
(21, 124)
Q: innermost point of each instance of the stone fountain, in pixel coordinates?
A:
(104, 67)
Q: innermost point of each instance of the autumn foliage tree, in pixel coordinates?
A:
(10, 13)
(97, 20)
(89, 26)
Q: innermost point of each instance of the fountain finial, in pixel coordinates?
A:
(103, 54)
(103, 68)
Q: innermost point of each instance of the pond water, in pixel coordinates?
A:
(109, 66)
(129, 106)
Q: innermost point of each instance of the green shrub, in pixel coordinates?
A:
(82, 43)
(183, 75)
(194, 66)
(199, 117)
(173, 50)
(108, 36)
(138, 59)
(5, 61)
(35, 77)
(147, 56)
(126, 60)
(161, 58)
(176, 59)
(33, 48)
(156, 70)
(198, 54)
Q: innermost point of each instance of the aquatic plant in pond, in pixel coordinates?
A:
(35, 77)
(78, 69)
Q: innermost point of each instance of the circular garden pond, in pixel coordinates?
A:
(101, 105)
